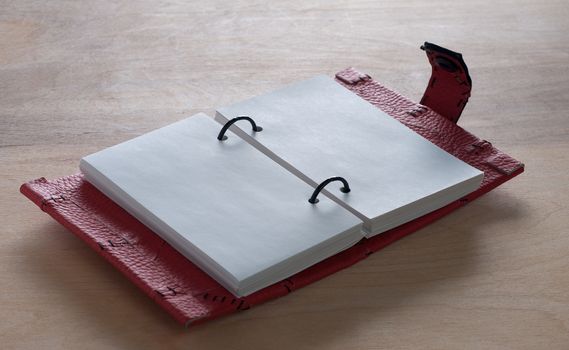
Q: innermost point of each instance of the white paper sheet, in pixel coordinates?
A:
(226, 206)
(319, 129)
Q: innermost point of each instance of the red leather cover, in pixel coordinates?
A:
(189, 294)
(449, 86)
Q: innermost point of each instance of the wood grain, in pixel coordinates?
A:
(77, 76)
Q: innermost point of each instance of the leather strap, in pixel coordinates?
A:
(450, 84)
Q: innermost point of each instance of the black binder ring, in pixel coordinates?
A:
(320, 187)
(222, 137)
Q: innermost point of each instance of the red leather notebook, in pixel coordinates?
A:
(188, 293)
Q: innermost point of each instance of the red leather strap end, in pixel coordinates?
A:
(450, 84)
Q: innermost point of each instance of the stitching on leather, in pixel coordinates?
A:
(242, 305)
(54, 198)
(288, 284)
(417, 111)
(169, 291)
(159, 251)
(120, 241)
(123, 242)
(216, 298)
(478, 147)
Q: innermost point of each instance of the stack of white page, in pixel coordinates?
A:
(318, 129)
(239, 208)
(231, 210)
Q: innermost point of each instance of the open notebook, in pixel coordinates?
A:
(239, 208)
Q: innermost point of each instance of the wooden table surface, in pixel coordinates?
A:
(79, 76)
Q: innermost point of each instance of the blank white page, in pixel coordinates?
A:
(321, 129)
(225, 205)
